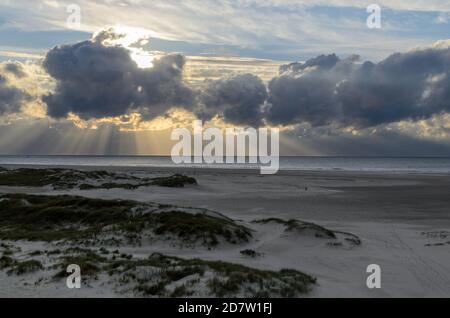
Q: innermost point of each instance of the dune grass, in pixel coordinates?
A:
(61, 179)
(183, 277)
(58, 178)
(78, 219)
(25, 267)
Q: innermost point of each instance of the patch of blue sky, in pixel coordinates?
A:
(39, 39)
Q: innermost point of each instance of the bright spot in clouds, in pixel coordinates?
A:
(134, 39)
(142, 58)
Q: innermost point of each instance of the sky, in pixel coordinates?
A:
(115, 77)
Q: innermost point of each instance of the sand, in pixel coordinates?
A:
(403, 221)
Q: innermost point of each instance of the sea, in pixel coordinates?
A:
(419, 165)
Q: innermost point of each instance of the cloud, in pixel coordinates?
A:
(237, 99)
(99, 78)
(319, 63)
(199, 68)
(327, 90)
(11, 98)
(276, 29)
(14, 68)
(107, 35)
(96, 81)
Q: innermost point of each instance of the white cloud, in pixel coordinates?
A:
(284, 24)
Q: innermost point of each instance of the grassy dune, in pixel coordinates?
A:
(94, 221)
(61, 179)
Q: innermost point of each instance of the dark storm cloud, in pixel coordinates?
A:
(304, 99)
(325, 90)
(96, 81)
(163, 86)
(11, 98)
(237, 99)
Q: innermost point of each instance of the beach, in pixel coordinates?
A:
(401, 219)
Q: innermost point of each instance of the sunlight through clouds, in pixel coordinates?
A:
(134, 69)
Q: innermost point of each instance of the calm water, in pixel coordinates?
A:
(379, 164)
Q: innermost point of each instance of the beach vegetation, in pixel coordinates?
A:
(223, 279)
(6, 262)
(250, 253)
(79, 219)
(62, 179)
(24, 267)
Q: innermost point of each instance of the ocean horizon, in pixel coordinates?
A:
(387, 164)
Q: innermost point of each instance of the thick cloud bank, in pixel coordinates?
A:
(95, 81)
(326, 90)
(238, 99)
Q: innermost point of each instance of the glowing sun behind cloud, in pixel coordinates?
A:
(133, 39)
